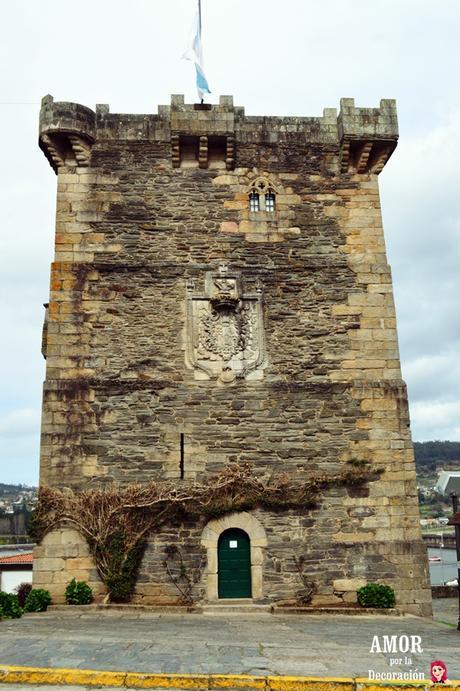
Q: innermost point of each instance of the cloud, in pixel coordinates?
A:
(19, 443)
(422, 224)
(294, 59)
(434, 377)
(435, 421)
(19, 423)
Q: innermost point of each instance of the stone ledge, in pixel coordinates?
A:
(354, 611)
(72, 610)
(216, 608)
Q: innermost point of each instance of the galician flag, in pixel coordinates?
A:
(195, 54)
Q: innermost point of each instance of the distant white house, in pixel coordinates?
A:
(448, 481)
(14, 570)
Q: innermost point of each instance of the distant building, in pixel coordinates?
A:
(448, 481)
(14, 522)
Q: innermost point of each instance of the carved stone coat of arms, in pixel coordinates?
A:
(225, 333)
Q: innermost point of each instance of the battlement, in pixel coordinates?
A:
(366, 134)
(363, 137)
(355, 122)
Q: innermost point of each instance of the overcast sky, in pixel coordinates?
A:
(281, 58)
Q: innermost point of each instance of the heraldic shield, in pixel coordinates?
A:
(225, 332)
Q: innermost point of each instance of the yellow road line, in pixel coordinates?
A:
(207, 682)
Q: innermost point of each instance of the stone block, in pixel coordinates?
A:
(348, 584)
(229, 227)
(350, 597)
(50, 564)
(326, 600)
(80, 563)
(52, 538)
(40, 578)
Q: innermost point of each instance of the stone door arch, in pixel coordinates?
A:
(258, 540)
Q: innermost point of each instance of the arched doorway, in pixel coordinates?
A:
(252, 527)
(234, 564)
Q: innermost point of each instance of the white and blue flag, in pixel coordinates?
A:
(195, 54)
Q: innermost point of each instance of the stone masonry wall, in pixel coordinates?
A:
(62, 555)
(134, 225)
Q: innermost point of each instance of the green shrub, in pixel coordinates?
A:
(376, 595)
(37, 600)
(78, 593)
(119, 587)
(9, 605)
(22, 591)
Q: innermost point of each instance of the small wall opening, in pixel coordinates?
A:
(189, 151)
(182, 456)
(217, 152)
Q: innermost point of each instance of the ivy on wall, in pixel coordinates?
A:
(117, 521)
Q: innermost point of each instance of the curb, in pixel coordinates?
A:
(86, 677)
(224, 609)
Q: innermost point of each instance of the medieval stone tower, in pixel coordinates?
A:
(220, 294)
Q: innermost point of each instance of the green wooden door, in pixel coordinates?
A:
(234, 564)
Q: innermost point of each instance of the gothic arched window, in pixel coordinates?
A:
(262, 196)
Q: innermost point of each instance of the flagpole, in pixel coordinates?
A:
(199, 26)
(195, 54)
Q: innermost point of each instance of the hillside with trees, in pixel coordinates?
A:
(13, 490)
(432, 455)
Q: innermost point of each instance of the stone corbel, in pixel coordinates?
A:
(380, 156)
(344, 156)
(67, 132)
(230, 159)
(365, 156)
(81, 149)
(52, 152)
(66, 148)
(175, 150)
(203, 152)
(362, 157)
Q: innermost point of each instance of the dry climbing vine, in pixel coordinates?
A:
(305, 595)
(180, 577)
(117, 521)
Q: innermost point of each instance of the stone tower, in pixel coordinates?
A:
(220, 294)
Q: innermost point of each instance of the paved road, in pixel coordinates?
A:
(445, 610)
(224, 643)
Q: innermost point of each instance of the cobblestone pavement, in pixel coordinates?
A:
(222, 643)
